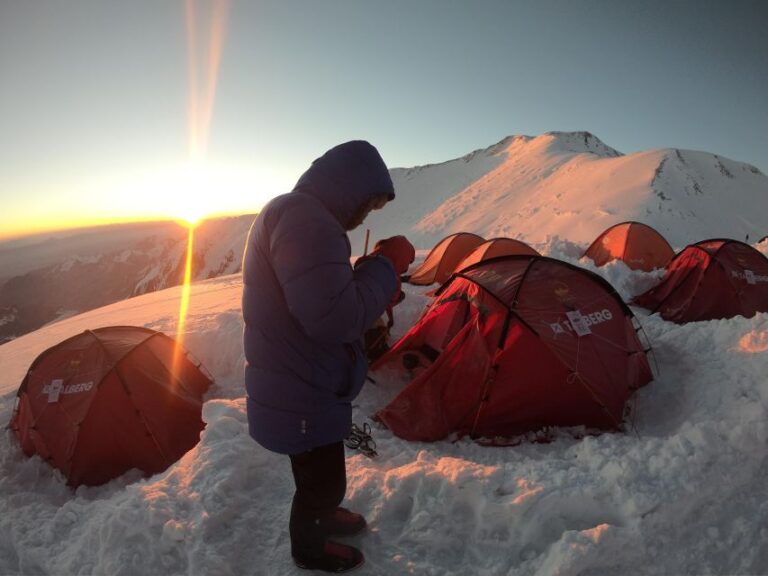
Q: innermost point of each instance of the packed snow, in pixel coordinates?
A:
(682, 491)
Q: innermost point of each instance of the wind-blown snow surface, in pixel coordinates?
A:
(572, 185)
(682, 492)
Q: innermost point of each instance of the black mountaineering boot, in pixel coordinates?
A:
(334, 558)
(343, 522)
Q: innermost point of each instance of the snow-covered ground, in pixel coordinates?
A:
(684, 491)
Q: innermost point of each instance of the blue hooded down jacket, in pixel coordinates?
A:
(305, 308)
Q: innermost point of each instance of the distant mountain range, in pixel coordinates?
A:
(560, 184)
(61, 275)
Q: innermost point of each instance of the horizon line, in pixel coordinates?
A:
(98, 224)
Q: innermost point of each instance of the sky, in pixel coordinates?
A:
(114, 111)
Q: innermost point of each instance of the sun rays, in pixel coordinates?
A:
(203, 72)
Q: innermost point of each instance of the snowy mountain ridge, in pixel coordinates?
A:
(572, 185)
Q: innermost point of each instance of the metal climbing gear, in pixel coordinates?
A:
(361, 439)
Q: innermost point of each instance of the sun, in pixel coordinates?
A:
(192, 216)
(191, 219)
(195, 190)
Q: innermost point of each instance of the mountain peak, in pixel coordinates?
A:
(578, 142)
(572, 185)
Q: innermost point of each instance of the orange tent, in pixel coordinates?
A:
(497, 247)
(638, 245)
(442, 260)
(108, 400)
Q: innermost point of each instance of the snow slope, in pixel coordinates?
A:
(683, 492)
(572, 185)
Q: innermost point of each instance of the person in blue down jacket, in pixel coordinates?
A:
(305, 310)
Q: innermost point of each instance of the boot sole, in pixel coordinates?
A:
(345, 570)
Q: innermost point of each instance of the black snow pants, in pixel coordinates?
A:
(320, 476)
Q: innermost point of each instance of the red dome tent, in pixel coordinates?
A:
(443, 258)
(638, 245)
(711, 279)
(108, 400)
(496, 247)
(514, 344)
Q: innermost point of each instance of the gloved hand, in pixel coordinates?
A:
(398, 250)
(401, 253)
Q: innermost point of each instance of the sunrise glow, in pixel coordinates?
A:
(754, 342)
(184, 302)
(203, 71)
(184, 305)
(195, 184)
(195, 189)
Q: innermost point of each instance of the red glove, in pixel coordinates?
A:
(398, 250)
(401, 253)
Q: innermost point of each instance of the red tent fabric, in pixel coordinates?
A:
(443, 258)
(496, 247)
(108, 400)
(638, 245)
(515, 344)
(711, 279)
